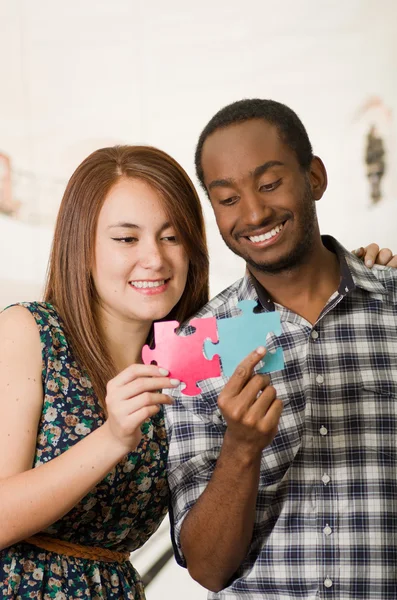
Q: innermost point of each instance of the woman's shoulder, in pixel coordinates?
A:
(18, 332)
(43, 313)
(45, 318)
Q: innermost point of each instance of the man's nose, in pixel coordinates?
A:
(255, 208)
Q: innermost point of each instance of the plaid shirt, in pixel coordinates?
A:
(326, 513)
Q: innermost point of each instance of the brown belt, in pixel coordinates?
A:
(76, 550)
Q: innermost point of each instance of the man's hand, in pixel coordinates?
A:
(250, 407)
(373, 255)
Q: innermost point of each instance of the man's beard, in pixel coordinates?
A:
(302, 250)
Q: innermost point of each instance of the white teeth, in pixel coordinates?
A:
(147, 284)
(266, 236)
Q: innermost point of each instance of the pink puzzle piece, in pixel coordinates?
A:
(184, 356)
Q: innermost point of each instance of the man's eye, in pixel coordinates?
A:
(269, 187)
(125, 240)
(229, 201)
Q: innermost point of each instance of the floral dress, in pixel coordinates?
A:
(120, 513)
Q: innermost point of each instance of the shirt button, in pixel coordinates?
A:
(328, 582)
(327, 530)
(314, 334)
(325, 479)
(323, 430)
(320, 379)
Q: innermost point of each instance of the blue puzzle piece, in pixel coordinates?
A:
(238, 336)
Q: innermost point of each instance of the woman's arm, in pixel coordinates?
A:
(32, 499)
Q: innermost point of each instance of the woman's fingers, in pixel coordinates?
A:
(134, 371)
(143, 385)
(384, 256)
(133, 396)
(359, 252)
(392, 262)
(135, 419)
(372, 255)
(126, 417)
(148, 399)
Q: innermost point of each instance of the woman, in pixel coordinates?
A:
(75, 401)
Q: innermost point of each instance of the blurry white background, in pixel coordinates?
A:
(76, 76)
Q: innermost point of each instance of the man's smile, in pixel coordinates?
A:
(264, 237)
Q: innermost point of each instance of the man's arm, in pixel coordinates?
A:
(217, 532)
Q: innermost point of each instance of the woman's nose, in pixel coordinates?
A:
(151, 256)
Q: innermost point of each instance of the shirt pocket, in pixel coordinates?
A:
(377, 422)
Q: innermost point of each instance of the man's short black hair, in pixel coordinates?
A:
(289, 125)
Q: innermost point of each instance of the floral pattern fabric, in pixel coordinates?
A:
(120, 513)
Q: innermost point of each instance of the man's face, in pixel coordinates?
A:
(263, 201)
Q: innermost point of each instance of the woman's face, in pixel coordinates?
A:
(140, 266)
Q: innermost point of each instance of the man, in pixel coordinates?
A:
(285, 487)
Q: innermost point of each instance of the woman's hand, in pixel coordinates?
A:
(372, 255)
(133, 396)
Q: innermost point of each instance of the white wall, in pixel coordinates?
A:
(75, 76)
(24, 250)
(79, 75)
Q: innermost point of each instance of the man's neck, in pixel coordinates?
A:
(306, 289)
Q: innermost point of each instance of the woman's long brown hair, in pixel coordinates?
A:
(69, 285)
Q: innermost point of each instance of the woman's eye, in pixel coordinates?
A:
(125, 240)
(269, 187)
(170, 238)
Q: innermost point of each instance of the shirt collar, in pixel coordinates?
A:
(353, 273)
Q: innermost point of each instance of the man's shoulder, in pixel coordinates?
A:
(387, 276)
(222, 304)
(379, 281)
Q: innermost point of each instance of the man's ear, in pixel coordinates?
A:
(318, 178)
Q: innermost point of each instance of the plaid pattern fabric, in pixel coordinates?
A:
(326, 518)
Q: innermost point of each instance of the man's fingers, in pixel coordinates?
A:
(254, 389)
(261, 405)
(269, 423)
(238, 405)
(243, 372)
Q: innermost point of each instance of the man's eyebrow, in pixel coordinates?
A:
(265, 167)
(255, 173)
(220, 183)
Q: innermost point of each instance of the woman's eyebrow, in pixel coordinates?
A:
(128, 225)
